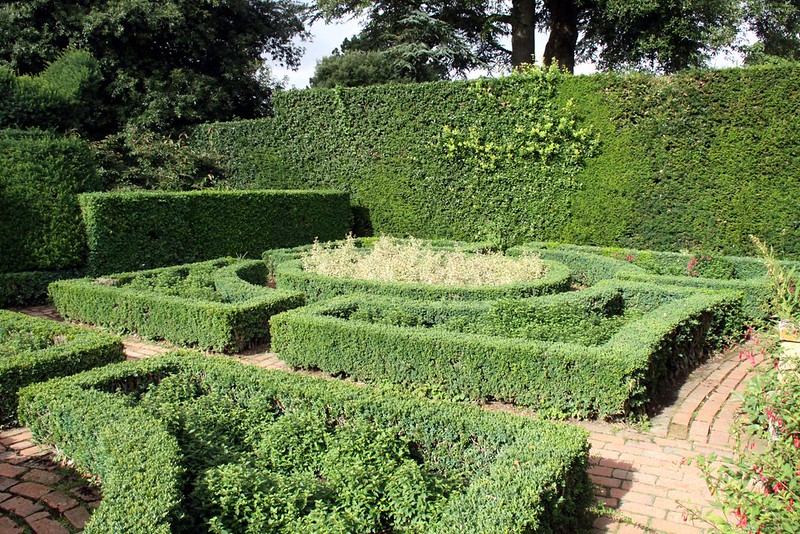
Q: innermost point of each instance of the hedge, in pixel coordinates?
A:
(565, 354)
(60, 98)
(40, 222)
(30, 288)
(33, 350)
(589, 264)
(291, 276)
(146, 229)
(536, 469)
(227, 310)
(668, 163)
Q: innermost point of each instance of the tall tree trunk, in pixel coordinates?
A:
(523, 32)
(563, 38)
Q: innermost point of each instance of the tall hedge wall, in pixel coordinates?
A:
(40, 220)
(663, 163)
(145, 229)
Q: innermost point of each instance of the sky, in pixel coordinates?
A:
(326, 37)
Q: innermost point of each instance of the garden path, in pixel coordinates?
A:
(640, 473)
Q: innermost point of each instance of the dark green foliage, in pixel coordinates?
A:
(61, 98)
(290, 275)
(222, 305)
(137, 158)
(698, 159)
(29, 288)
(40, 221)
(165, 63)
(34, 350)
(601, 352)
(145, 229)
(215, 437)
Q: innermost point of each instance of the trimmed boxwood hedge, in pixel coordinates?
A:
(40, 221)
(237, 317)
(290, 275)
(145, 229)
(29, 288)
(522, 475)
(33, 350)
(589, 264)
(416, 344)
(698, 158)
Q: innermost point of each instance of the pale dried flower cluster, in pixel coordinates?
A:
(411, 260)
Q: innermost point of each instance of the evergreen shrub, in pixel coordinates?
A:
(184, 442)
(145, 229)
(664, 163)
(221, 305)
(605, 351)
(34, 350)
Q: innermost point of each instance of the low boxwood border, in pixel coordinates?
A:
(216, 326)
(619, 377)
(533, 479)
(590, 264)
(290, 275)
(80, 350)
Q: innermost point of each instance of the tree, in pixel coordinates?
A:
(776, 23)
(659, 35)
(166, 63)
(408, 46)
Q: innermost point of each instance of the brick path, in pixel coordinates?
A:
(640, 474)
(37, 493)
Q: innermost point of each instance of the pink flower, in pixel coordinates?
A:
(741, 517)
(796, 441)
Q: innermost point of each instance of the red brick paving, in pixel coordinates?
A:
(28, 499)
(640, 474)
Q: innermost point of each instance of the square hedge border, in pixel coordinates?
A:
(618, 377)
(217, 326)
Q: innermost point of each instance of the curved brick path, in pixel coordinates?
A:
(640, 474)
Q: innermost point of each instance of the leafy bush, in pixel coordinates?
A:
(40, 222)
(221, 305)
(667, 173)
(758, 489)
(63, 97)
(136, 230)
(33, 350)
(183, 443)
(389, 260)
(605, 351)
(29, 288)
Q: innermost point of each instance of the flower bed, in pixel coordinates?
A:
(604, 351)
(33, 350)
(185, 442)
(220, 305)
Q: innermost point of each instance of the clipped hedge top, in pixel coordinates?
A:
(536, 468)
(129, 230)
(601, 352)
(219, 283)
(291, 274)
(24, 339)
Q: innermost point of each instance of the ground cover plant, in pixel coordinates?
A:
(33, 350)
(605, 351)
(191, 443)
(222, 305)
(415, 269)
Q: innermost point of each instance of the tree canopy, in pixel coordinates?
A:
(657, 35)
(165, 63)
